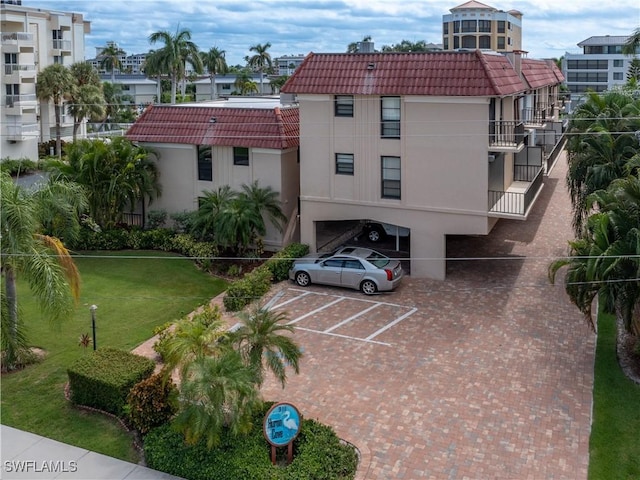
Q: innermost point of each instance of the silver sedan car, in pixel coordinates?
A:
(352, 267)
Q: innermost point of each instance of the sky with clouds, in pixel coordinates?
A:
(550, 27)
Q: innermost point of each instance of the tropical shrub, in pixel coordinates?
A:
(280, 263)
(22, 166)
(151, 403)
(156, 219)
(249, 288)
(103, 380)
(318, 455)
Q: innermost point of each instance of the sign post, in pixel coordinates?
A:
(281, 426)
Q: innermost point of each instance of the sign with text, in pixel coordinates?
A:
(281, 424)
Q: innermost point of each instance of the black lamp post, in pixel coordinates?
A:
(93, 309)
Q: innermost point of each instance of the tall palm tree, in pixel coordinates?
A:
(177, 51)
(112, 94)
(154, 67)
(261, 60)
(606, 260)
(261, 343)
(42, 260)
(110, 59)
(214, 61)
(601, 143)
(55, 83)
(86, 99)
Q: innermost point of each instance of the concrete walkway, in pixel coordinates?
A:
(28, 456)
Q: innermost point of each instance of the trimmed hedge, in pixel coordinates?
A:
(280, 263)
(103, 380)
(318, 455)
(249, 288)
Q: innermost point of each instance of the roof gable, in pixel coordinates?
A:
(425, 73)
(538, 73)
(276, 128)
(472, 4)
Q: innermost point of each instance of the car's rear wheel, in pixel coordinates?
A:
(368, 287)
(303, 279)
(374, 235)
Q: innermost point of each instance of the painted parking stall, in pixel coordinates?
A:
(364, 320)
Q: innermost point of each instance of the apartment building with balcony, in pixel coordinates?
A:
(30, 40)
(287, 64)
(476, 25)
(439, 143)
(600, 66)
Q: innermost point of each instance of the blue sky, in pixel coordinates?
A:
(550, 27)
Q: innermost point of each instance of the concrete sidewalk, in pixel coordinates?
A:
(28, 456)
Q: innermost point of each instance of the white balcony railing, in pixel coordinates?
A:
(62, 44)
(18, 100)
(16, 38)
(12, 68)
(20, 131)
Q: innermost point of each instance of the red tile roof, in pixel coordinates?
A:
(276, 128)
(538, 73)
(433, 73)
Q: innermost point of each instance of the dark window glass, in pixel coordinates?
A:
(390, 177)
(344, 106)
(469, 26)
(344, 163)
(353, 264)
(445, 28)
(468, 41)
(205, 163)
(484, 26)
(501, 25)
(390, 107)
(456, 26)
(456, 43)
(485, 41)
(501, 43)
(240, 156)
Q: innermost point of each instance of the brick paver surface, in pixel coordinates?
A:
(491, 376)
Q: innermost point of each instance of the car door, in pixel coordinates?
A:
(352, 273)
(330, 271)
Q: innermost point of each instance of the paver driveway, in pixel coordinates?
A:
(490, 377)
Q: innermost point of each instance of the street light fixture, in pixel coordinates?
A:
(93, 309)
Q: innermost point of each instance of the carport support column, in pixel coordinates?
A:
(308, 233)
(428, 252)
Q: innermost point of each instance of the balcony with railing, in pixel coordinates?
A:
(17, 39)
(20, 101)
(518, 199)
(62, 45)
(20, 132)
(18, 71)
(538, 115)
(506, 136)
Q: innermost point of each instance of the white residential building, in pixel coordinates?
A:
(599, 67)
(31, 40)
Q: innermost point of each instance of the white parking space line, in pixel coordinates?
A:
(313, 312)
(344, 336)
(353, 317)
(389, 325)
(338, 299)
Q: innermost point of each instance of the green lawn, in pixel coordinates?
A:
(133, 296)
(614, 445)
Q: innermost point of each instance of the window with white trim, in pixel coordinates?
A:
(390, 113)
(390, 177)
(344, 163)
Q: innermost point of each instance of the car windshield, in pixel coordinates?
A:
(378, 259)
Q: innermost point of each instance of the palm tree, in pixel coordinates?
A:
(154, 67)
(632, 45)
(244, 84)
(215, 62)
(211, 204)
(177, 51)
(111, 93)
(265, 201)
(55, 83)
(216, 392)
(600, 145)
(263, 346)
(605, 262)
(237, 225)
(116, 174)
(86, 99)
(42, 260)
(277, 83)
(261, 60)
(110, 59)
